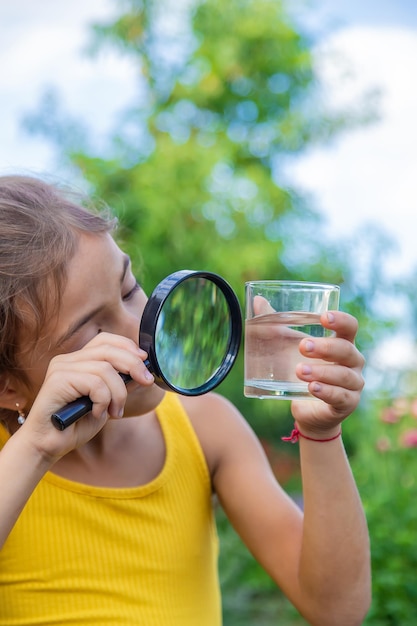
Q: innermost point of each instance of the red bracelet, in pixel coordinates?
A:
(296, 434)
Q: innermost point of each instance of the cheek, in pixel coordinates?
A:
(36, 376)
(143, 298)
(140, 304)
(34, 363)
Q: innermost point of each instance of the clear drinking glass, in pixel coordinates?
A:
(279, 314)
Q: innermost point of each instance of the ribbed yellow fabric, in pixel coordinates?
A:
(95, 556)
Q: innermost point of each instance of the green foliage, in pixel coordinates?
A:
(385, 467)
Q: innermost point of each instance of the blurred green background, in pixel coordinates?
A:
(194, 172)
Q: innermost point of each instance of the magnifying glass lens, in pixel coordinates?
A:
(193, 333)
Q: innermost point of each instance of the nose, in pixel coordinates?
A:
(127, 324)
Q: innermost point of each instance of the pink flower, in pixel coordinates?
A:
(401, 406)
(389, 416)
(409, 439)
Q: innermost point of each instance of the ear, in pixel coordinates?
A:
(12, 394)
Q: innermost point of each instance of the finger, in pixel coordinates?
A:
(109, 341)
(101, 383)
(338, 399)
(121, 360)
(331, 374)
(261, 306)
(115, 340)
(342, 324)
(333, 350)
(89, 426)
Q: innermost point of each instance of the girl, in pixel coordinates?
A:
(110, 521)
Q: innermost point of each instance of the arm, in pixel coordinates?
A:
(34, 448)
(319, 560)
(21, 468)
(335, 544)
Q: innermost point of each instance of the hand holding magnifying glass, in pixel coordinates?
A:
(191, 328)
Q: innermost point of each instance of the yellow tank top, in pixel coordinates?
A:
(147, 555)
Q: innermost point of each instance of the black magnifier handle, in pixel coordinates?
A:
(72, 412)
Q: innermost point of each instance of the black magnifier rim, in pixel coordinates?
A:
(149, 323)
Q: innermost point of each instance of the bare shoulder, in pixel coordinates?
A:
(221, 429)
(208, 406)
(212, 415)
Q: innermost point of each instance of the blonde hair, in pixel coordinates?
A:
(39, 228)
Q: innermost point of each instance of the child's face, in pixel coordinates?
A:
(101, 294)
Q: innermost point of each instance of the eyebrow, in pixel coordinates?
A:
(78, 324)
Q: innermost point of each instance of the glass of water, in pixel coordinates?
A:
(279, 314)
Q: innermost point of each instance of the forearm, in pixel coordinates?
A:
(335, 558)
(21, 469)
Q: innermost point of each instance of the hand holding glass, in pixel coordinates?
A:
(279, 314)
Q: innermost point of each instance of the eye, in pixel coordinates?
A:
(129, 295)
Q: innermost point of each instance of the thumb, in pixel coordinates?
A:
(261, 306)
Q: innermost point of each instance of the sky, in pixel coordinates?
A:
(43, 45)
(369, 175)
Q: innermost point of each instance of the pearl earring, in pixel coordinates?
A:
(21, 417)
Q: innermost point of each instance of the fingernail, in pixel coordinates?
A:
(309, 346)
(316, 387)
(148, 375)
(306, 369)
(121, 412)
(330, 317)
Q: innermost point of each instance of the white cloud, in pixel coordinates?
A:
(42, 45)
(371, 173)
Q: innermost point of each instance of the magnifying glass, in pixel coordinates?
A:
(191, 329)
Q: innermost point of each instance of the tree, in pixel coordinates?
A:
(228, 93)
